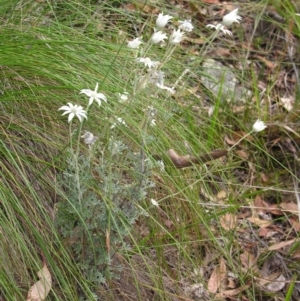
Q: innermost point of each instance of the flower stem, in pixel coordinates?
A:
(239, 141)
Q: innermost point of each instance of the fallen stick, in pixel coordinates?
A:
(186, 161)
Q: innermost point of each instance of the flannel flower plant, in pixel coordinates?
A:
(98, 205)
(93, 191)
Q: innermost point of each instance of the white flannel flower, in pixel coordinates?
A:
(157, 37)
(258, 126)
(162, 20)
(231, 18)
(176, 37)
(135, 43)
(154, 203)
(211, 111)
(120, 121)
(94, 95)
(151, 111)
(153, 122)
(186, 25)
(73, 110)
(147, 61)
(122, 97)
(161, 165)
(218, 27)
(89, 138)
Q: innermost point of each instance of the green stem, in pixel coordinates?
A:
(239, 141)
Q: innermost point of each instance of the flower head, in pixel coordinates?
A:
(162, 20)
(157, 37)
(135, 43)
(154, 203)
(89, 138)
(186, 25)
(94, 95)
(122, 97)
(176, 37)
(73, 110)
(221, 27)
(258, 126)
(153, 122)
(147, 61)
(151, 111)
(119, 121)
(231, 18)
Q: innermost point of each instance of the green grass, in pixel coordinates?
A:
(49, 52)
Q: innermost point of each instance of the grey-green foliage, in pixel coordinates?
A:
(100, 201)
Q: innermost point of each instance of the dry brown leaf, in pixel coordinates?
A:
(259, 222)
(269, 64)
(217, 276)
(228, 221)
(40, 290)
(237, 135)
(281, 245)
(260, 204)
(231, 283)
(296, 254)
(220, 52)
(290, 207)
(277, 284)
(242, 154)
(214, 281)
(129, 7)
(168, 223)
(199, 41)
(275, 210)
(265, 178)
(295, 223)
(266, 232)
(223, 270)
(221, 195)
(229, 141)
(231, 293)
(211, 1)
(288, 102)
(248, 260)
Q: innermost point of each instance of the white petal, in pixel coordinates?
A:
(154, 203)
(64, 108)
(87, 92)
(102, 96)
(71, 116)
